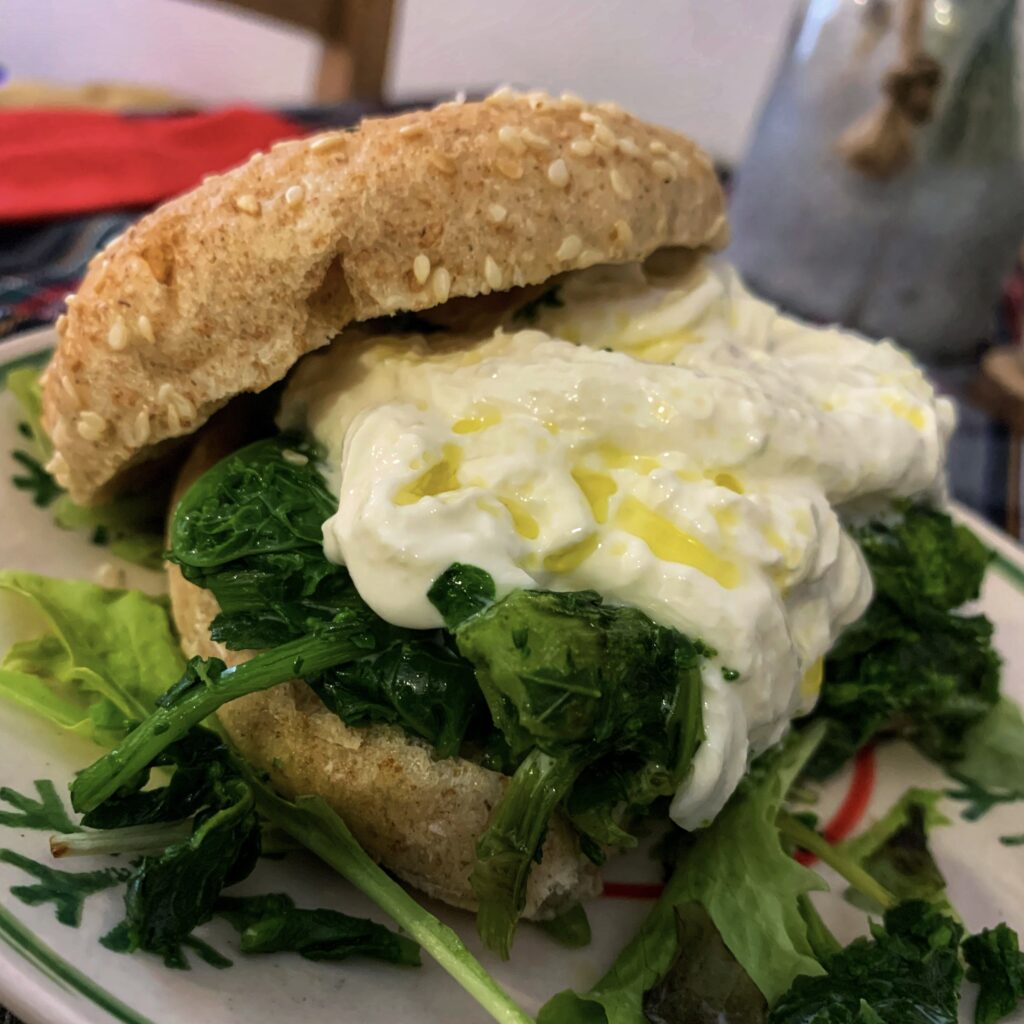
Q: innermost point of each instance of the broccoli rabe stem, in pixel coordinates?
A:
(813, 842)
(506, 851)
(306, 656)
(312, 822)
(133, 839)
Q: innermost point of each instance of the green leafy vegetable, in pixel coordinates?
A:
(45, 813)
(705, 984)
(530, 311)
(908, 972)
(895, 852)
(991, 770)
(460, 592)
(911, 666)
(567, 680)
(571, 928)
(204, 687)
(273, 924)
(91, 660)
(35, 480)
(419, 684)
(735, 865)
(319, 829)
(66, 890)
(1017, 840)
(995, 962)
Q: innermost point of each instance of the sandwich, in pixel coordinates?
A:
(528, 521)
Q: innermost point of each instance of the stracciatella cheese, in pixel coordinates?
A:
(659, 436)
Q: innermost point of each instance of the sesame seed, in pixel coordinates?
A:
(609, 107)
(328, 143)
(421, 268)
(604, 135)
(411, 131)
(247, 204)
(497, 213)
(581, 147)
(441, 161)
(492, 273)
(589, 117)
(678, 159)
(59, 434)
(571, 247)
(622, 232)
(138, 433)
(294, 194)
(91, 425)
(538, 100)
(173, 418)
(657, 147)
(558, 173)
(534, 140)
(295, 458)
(570, 99)
(665, 170)
(164, 393)
(145, 326)
(629, 147)
(69, 388)
(58, 467)
(117, 336)
(509, 136)
(441, 283)
(459, 98)
(69, 299)
(503, 94)
(619, 184)
(61, 324)
(590, 257)
(512, 169)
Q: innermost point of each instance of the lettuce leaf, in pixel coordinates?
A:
(739, 872)
(89, 659)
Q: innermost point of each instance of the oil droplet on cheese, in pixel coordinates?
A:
(728, 481)
(615, 458)
(481, 417)
(597, 488)
(572, 556)
(524, 523)
(671, 544)
(905, 411)
(441, 477)
(811, 682)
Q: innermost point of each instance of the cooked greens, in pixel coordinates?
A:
(273, 924)
(996, 963)
(912, 666)
(568, 680)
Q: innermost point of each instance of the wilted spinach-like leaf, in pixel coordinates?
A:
(996, 963)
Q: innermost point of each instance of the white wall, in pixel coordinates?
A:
(699, 65)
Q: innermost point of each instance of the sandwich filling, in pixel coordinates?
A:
(653, 433)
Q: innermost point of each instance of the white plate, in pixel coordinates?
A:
(54, 974)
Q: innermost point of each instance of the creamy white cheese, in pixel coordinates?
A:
(662, 437)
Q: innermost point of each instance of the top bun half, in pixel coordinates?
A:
(221, 291)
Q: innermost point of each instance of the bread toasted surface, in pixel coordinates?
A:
(420, 816)
(219, 292)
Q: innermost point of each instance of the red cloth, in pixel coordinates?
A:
(59, 162)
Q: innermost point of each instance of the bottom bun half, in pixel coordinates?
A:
(419, 816)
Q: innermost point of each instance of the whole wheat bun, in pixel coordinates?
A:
(419, 816)
(221, 291)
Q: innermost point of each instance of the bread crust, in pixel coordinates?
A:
(419, 816)
(221, 291)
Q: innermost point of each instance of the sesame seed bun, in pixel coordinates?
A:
(421, 817)
(221, 291)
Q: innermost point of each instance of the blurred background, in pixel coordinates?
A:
(872, 148)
